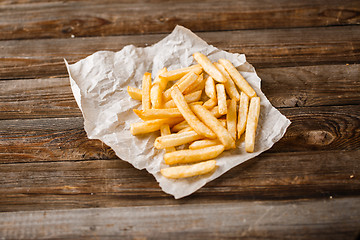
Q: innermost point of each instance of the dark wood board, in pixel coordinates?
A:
(61, 19)
(265, 48)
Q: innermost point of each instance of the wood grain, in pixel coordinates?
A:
(114, 183)
(54, 139)
(284, 219)
(61, 19)
(285, 87)
(263, 48)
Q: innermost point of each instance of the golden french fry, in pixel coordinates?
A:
(229, 84)
(176, 139)
(189, 116)
(152, 125)
(210, 90)
(182, 84)
(251, 124)
(189, 98)
(164, 131)
(134, 93)
(214, 124)
(186, 129)
(189, 170)
(146, 85)
(179, 73)
(243, 112)
(238, 79)
(221, 96)
(190, 156)
(231, 118)
(192, 87)
(209, 67)
(204, 143)
(178, 127)
(153, 113)
(157, 88)
(210, 103)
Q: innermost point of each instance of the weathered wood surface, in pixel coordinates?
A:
(305, 187)
(250, 220)
(114, 183)
(265, 48)
(61, 19)
(284, 87)
(312, 129)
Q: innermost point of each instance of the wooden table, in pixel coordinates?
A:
(56, 183)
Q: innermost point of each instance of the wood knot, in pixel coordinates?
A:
(319, 137)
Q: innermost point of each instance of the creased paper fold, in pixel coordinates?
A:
(99, 85)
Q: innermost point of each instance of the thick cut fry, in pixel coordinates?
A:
(251, 125)
(221, 96)
(179, 73)
(189, 98)
(238, 79)
(150, 114)
(210, 90)
(231, 118)
(146, 85)
(176, 139)
(243, 112)
(204, 143)
(182, 84)
(186, 129)
(189, 170)
(229, 84)
(157, 88)
(192, 87)
(178, 127)
(164, 131)
(152, 125)
(209, 104)
(190, 156)
(189, 116)
(134, 93)
(214, 124)
(209, 67)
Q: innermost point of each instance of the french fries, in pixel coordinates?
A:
(191, 156)
(238, 79)
(231, 118)
(209, 67)
(202, 125)
(215, 125)
(176, 139)
(189, 98)
(210, 88)
(189, 170)
(165, 130)
(157, 88)
(221, 96)
(251, 124)
(134, 93)
(243, 112)
(146, 86)
(189, 116)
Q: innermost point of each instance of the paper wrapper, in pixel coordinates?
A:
(99, 85)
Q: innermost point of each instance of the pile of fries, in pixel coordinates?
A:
(206, 128)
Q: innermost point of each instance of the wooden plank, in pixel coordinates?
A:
(59, 19)
(285, 87)
(115, 183)
(56, 139)
(264, 48)
(316, 219)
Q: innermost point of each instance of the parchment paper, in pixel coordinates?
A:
(99, 86)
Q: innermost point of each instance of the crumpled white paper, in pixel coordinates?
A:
(99, 85)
